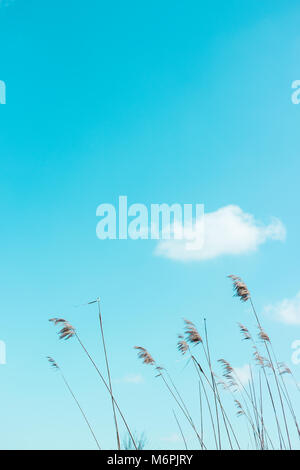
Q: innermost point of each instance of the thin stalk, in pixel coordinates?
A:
(207, 400)
(215, 390)
(247, 414)
(201, 411)
(219, 400)
(108, 374)
(290, 406)
(280, 396)
(187, 415)
(281, 441)
(253, 396)
(255, 409)
(183, 403)
(108, 389)
(213, 383)
(286, 393)
(81, 410)
(261, 410)
(275, 377)
(178, 394)
(57, 367)
(181, 432)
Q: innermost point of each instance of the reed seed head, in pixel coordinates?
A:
(226, 366)
(191, 332)
(56, 321)
(259, 359)
(52, 362)
(223, 384)
(67, 331)
(144, 355)
(263, 335)
(284, 369)
(245, 332)
(240, 411)
(240, 288)
(182, 345)
(228, 373)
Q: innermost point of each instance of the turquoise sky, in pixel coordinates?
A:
(168, 101)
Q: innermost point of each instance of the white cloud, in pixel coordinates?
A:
(287, 311)
(227, 231)
(243, 374)
(131, 379)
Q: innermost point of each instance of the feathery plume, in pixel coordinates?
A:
(240, 288)
(239, 407)
(223, 384)
(263, 335)
(284, 369)
(144, 355)
(226, 366)
(52, 362)
(228, 373)
(261, 361)
(191, 332)
(182, 345)
(56, 321)
(67, 330)
(245, 332)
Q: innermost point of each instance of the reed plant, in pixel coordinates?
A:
(263, 401)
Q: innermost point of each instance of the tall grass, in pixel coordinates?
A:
(54, 364)
(107, 369)
(222, 397)
(265, 386)
(68, 331)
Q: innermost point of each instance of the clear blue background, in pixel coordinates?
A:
(162, 101)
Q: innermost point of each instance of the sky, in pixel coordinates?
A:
(164, 102)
